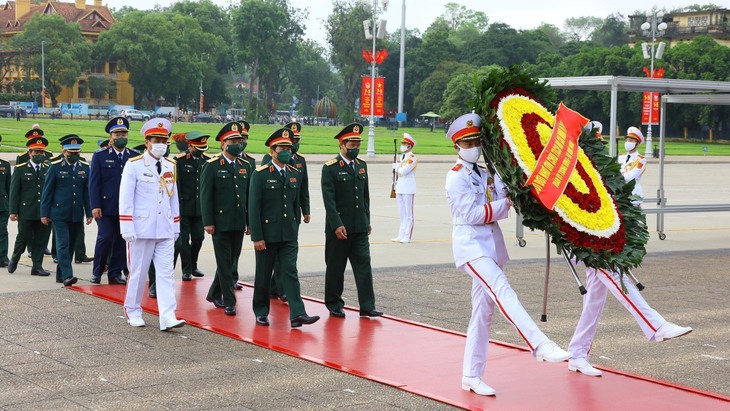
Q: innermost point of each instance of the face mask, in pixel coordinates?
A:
(629, 145)
(294, 147)
(470, 155)
(196, 153)
(352, 153)
(158, 150)
(283, 156)
(120, 143)
(39, 158)
(243, 145)
(234, 149)
(404, 148)
(72, 158)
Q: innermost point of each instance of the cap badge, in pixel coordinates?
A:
(294, 127)
(160, 125)
(285, 134)
(356, 129)
(73, 141)
(35, 133)
(203, 140)
(120, 121)
(234, 127)
(470, 123)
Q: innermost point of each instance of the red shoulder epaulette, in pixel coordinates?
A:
(457, 167)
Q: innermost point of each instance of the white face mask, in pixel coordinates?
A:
(470, 155)
(158, 150)
(404, 148)
(629, 145)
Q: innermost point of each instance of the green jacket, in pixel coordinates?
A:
(189, 169)
(297, 161)
(273, 204)
(4, 185)
(346, 195)
(224, 193)
(23, 158)
(25, 191)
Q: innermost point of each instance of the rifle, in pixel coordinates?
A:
(395, 175)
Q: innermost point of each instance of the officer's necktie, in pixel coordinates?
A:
(120, 157)
(37, 169)
(159, 168)
(283, 175)
(476, 170)
(352, 166)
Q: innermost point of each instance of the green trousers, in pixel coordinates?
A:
(285, 254)
(355, 248)
(34, 235)
(227, 246)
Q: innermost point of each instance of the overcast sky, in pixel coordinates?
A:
(525, 14)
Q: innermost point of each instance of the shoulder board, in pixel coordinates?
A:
(212, 159)
(640, 156)
(457, 167)
(262, 168)
(290, 168)
(333, 161)
(299, 155)
(181, 155)
(83, 162)
(206, 156)
(169, 159)
(360, 160)
(21, 164)
(249, 155)
(139, 157)
(57, 161)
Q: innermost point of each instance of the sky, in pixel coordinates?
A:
(525, 14)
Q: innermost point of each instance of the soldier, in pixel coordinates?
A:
(104, 181)
(347, 202)
(149, 219)
(274, 215)
(244, 127)
(405, 188)
(224, 185)
(297, 161)
(189, 165)
(35, 131)
(25, 201)
(477, 198)
(4, 215)
(65, 203)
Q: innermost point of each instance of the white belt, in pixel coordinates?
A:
(461, 221)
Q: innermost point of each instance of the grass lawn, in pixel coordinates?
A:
(315, 139)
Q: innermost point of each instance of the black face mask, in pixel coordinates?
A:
(196, 153)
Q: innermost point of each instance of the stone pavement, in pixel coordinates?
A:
(64, 350)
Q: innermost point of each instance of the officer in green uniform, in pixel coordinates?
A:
(26, 184)
(297, 161)
(347, 227)
(65, 203)
(224, 185)
(189, 165)
(244, 126)
(274, 215)
(35, 131)
(4, 215)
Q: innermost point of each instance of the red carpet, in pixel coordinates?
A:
(424, 360)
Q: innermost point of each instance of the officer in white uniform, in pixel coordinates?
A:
(478, 200)
(599, 282)
(405, 188)
(149, 218)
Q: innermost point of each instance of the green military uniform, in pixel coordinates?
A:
(346, 198)
(274, 217)
(26, 185)
(80, 236)
(223, 204)
(188, 184)
(4, 207)
(251, 161)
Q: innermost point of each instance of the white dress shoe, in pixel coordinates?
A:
(405, 240)
(477, 385)
(669, 331)
(550, 352)
(395, 240)
(582, 366)
(136, 321)
(170, 324)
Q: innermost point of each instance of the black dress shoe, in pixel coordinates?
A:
(12, 266)
(187, 277)
(370, 313)
(198, 273)
(340, 313)
(262, 320)
(229, 310)
(40, 272)
(3, 263)
(84, 260)
(70, 281)
(284, 298)
(55, 260)
(237, 286)
(303, 319)
(46, 252)
(153, 293)
(118, 281)
(217, 303)
(95, 280)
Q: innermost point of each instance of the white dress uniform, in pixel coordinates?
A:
(477, 202)
(149, 210)
(633, 166)
(405, 193)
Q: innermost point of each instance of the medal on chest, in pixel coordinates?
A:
(167, 183)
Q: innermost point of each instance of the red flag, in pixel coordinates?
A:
(380, 56)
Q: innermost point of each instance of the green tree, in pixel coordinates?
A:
(461, 89)
(310, 75)
(612, 32)
(432, 88)
(581, 28)
(458, 16)
(66, 51)
(552, 33)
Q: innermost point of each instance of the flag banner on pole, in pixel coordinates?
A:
(365, 96)
(379, 96)
(650, 103)
(559, 157)
(202, 103)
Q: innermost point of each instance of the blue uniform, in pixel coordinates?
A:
(104, 181)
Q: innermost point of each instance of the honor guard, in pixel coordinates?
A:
(244, 127)
(189, 165)
(149, 219)
(224, 185)
(26, 186)
(4, 208)
(599, 282)
(274, 216)
(65, 203)
(405, 187)
(477, 198)
(104, 181)
(299, 162)
(347, 227)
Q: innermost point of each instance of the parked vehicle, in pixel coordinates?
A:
(135, 115)
(205, 118)
(9, 111)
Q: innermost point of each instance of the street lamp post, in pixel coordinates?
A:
(202, 103)
(377, 32)
(43, 75)
(653, 27)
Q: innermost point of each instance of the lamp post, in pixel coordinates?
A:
(402, 68)
(654, 27)
(202, 103)
(375, 32)
(43, 75)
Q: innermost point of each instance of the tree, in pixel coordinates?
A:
(310, 75)
(581, 28)
(552, 33)
(458, 16)
(432, 88)
(461, 89)
(66, 51)
(612, 32)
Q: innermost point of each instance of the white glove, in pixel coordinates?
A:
(130, 237)
(395, 166)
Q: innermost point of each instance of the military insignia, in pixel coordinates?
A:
(242, 171)
(73, 141)
(81, 172)
(120, 121)
(160, 125)
(356, 129)
(331, 162)
(35, 133)
(457, 167)
(361, 171)
(299, 166)
(470, 123)
(2, 168)
(285, 134)
(294, 127)
(234, 127)
(292, 180)
(147, 174)
(490, 181)
(203, 140)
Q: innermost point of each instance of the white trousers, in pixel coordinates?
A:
(490, 288)
(405, 209)
(598, 283)
(139, 255)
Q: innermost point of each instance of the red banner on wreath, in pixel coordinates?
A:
(366, 94)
